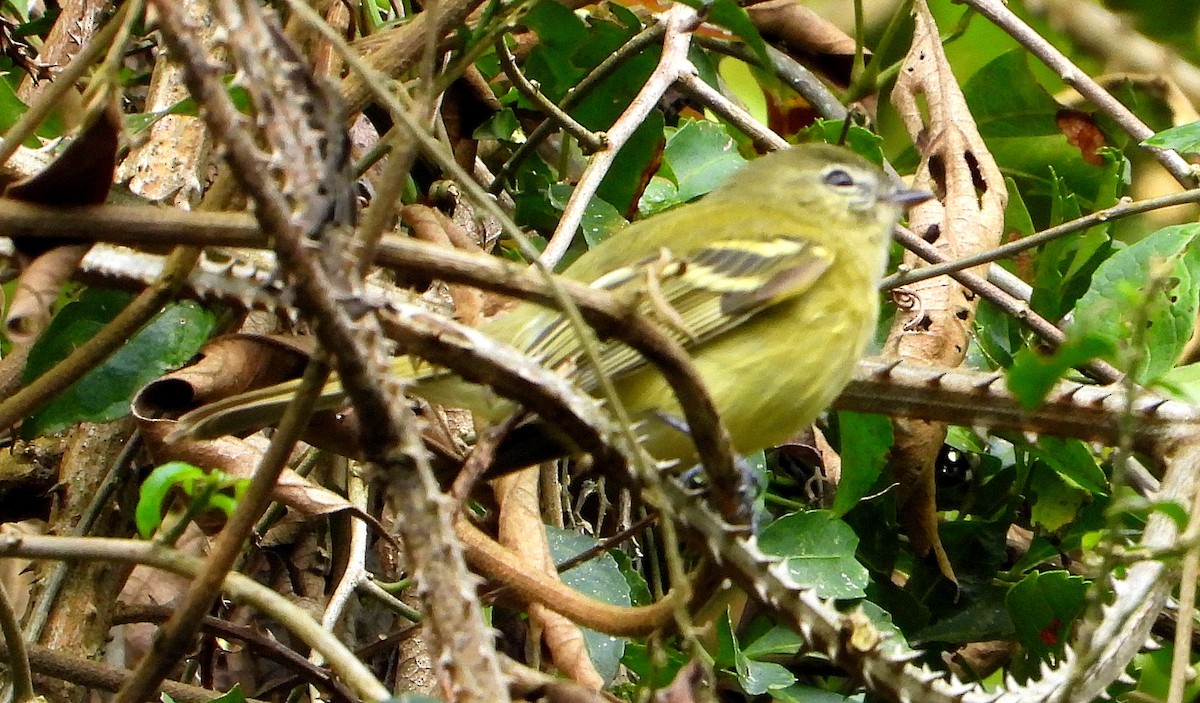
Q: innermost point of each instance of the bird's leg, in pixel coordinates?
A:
(750, 483)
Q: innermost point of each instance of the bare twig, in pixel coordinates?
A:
(341, 660)
(270, 648)
(102, 677)
(1094, 26)
(680, 21)
(588, 140)
(711, 438)
(627, 50)
(173, 640)
(1125, 208)
(706, 95)
(793, 73)
(355, 572)
(1072, 75)
(18, 658)
(1018, 309)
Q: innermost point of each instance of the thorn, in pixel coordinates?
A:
(935, 379)
(988, 382)
(1154, 406)
(783, 574)
(901, 656)
(961, 689)
(887, 369)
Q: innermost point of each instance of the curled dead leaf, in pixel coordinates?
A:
(226, 366)
(239, 458)
(967, 218)
(81, 175)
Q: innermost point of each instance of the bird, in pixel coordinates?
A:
(770, 282)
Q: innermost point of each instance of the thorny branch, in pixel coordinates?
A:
(1165, 428)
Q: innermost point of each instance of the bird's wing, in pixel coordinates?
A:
(695, 298)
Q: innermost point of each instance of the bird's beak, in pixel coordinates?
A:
(905, 197)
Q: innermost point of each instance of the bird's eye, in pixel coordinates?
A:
(838, 179)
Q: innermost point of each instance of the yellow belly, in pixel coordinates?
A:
(765, 391)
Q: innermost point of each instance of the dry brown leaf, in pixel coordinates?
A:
(81, 175)
(1083, 133)
(227, 366)
(522, 531)
(239, 458)
(800, 28)
(967, 218)
(37, 290)
(691, 685)
(430, 225)
(809, 37)
(16, 575)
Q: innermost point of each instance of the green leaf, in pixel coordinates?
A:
(799, 693)
(983, 619)
(1033, 374)
(819, 550)
(778, 640)
(639, 590)
(601, 579)
(1064, 267)
(11, 109)
(1041, 551)
(630, 170)
(1185, 139)
(741, 81)
(551, 62)
(757, 678)
(140, 121)
(1043, 606)
(865, 441)
(1183, 382)
(1057, 501)
(701, 155)
(654, 671)
(1007, 101)
(1122, 294)
(103, 394)
(660, 194)
(1154, 674)
(600, 220)
(1073, 461)
(882, 620)
(152, 496)
(727, 649)
(858, 139)
(500, 126)
(233, 695)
